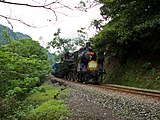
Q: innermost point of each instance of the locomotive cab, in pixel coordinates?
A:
(86, 54)
(87, 65)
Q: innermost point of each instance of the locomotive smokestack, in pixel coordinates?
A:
(88, 45)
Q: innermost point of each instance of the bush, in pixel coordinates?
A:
(38, 105)
(50, 110)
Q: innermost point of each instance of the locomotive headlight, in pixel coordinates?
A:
(92, 65)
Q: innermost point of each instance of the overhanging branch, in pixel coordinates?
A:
(28, 5)
(47, 6)
(9, 18)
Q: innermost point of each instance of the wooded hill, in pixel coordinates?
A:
(23, 65)
(131, 42)
(5, 31)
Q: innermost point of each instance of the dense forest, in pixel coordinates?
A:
(131, 42)
(23, 65)
(6, 35)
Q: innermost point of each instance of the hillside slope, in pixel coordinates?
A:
(142, 72)
(5, 32)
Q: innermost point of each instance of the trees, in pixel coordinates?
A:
(97, 24)
(133, 28)
(23, 64)
(63, 45)
(6, 35)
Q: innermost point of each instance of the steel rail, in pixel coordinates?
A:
(119, 88)
(131, 90)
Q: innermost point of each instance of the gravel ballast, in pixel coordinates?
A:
(91, 103)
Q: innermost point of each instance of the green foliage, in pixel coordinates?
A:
(84, 5)
(52, 58)
(6, 35)
(63, 45)
(16, 92)
(147, 65)
(21, 35)
(49, 110)
(97, 24)
(26, 47)
(131, 42)
(82, 37)
(40, 97)
(23, 64)
(133, 28)
(137, 72)
(43, 106)
(6, 39)
(38, 105)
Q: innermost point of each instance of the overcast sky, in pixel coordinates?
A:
(45, 19)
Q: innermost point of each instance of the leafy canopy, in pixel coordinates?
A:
(23, 64)
(63, 45)
(134, 27)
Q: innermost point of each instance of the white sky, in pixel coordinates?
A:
(40, 17)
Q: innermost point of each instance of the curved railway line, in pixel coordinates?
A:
(131, 90)
(117, 88)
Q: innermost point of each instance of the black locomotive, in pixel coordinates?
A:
(84, 65)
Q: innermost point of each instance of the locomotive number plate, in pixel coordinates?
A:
(92, 65)
(90, 53)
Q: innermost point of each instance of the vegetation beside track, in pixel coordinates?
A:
(44, 102)
(131, 36)
(141, 73)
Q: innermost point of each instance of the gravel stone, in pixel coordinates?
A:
(91, 103)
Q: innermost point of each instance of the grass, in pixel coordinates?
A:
(46, 107)
(141, 73)
(50, 110)
(41, 104)
(42, 94)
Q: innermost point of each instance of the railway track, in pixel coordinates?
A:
(131, 90)
(118, 88)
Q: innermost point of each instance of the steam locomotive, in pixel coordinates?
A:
(84, 65)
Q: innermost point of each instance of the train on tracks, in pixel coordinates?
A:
(83, 65)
